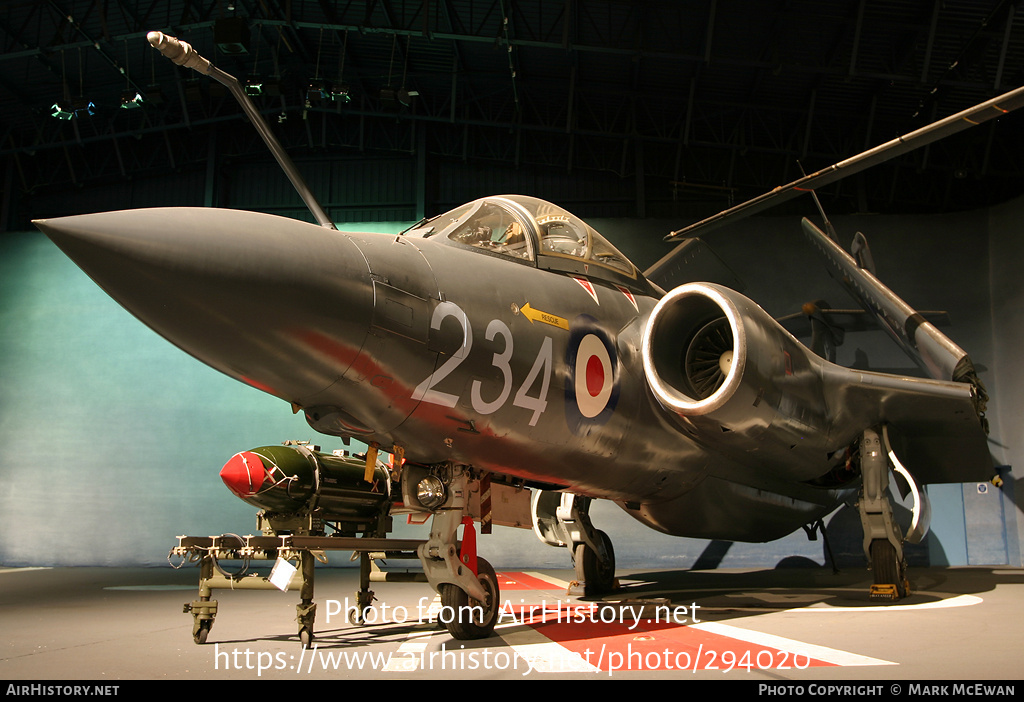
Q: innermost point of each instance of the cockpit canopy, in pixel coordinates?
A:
(528, 229)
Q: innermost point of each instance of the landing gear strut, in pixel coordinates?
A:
(467, 584)
(563, 519)
(883, 539)
(595, 568)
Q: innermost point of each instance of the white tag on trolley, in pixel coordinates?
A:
(281, 574)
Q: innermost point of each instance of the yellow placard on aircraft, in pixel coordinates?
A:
(545, 317)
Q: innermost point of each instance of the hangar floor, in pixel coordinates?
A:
(799, 624)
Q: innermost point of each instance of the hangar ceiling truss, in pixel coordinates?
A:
(697, 98)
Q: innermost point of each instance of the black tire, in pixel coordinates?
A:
(470, 618)
(598, 576)
(887, 569)
(203, 632)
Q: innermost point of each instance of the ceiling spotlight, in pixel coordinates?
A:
(131, 99)
(340, 93)
(83, 107)
(254, 87)
(231, 35)
(61, 111)
(391, 99)
(316, 92)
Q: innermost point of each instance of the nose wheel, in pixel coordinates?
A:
(471, 618)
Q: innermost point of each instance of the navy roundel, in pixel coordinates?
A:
(593, 388)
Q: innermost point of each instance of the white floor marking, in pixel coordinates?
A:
(820, 653)
(407, 657)
(543, 654)
(952, 601)
(548, 579)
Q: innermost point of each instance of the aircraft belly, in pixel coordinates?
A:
(721, 509)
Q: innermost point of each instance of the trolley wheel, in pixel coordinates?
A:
(357, 616)
(200, 635)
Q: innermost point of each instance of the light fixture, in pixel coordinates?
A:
(231, 35)
(131, 99)
(340, 93)
(316, 92)
(79, 107)
(431, 492)
(392, 99)
(61, 111)
(254, 87)
(84, 107)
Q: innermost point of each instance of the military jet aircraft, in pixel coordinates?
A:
(508, 342)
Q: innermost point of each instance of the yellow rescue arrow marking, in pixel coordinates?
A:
(545, 317)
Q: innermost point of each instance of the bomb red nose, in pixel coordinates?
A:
(243, 474)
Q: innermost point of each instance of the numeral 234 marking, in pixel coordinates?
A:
(427, 390)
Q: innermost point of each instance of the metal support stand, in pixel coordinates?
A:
(210, 551)
(305, 611)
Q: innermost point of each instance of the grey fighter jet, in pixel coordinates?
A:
(507, 341)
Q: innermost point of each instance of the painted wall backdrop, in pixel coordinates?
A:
(111, 439)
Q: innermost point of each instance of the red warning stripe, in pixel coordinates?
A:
(667, 646)
(649, 644)
(522, 581)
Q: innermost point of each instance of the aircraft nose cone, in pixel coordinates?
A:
(255, 296)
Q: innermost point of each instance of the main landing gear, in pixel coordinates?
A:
(563, 519)
(883, 538)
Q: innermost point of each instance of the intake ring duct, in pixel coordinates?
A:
(695, 348)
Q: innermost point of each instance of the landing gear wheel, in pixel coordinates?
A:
(471, 619)
(200, 635)
(598, 574)
(306, 637)
(888, 570)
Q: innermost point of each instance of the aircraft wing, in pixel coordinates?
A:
(934, 425)
(850, 320)
(970, 117)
